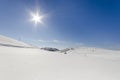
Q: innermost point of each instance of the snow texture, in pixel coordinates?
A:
(78, 64)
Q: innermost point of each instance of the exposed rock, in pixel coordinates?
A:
(50, 49)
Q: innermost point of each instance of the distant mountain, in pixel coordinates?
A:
(86, 50)
(50, 49)
(66, 50)
(6, 41)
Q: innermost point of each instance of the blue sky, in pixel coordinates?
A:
(68, 22)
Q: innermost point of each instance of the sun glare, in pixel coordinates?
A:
(37, 18)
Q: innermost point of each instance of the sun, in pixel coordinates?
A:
(36, 17)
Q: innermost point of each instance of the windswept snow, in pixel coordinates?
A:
(6, 41)
(97, 52)
(78, 64)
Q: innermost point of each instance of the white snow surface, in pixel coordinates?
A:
(12, 42)
(78, 64)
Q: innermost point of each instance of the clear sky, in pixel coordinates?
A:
(67, 23)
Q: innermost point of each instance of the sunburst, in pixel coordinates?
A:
(37, 18)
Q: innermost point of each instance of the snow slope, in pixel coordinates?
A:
(97, 52)
(6, 41)
(78, 64)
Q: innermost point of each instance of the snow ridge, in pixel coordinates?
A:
(6, 41)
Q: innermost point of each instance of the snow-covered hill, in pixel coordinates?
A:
(96, 52)
(6, 41)
(77, 64)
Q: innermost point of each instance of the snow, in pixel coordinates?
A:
(78, 64)
(12, 42)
